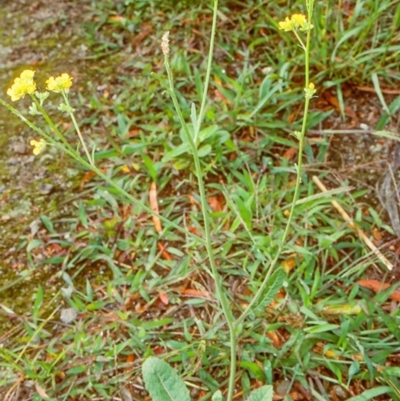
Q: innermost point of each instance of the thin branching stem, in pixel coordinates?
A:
(285, 234)
(220, 291)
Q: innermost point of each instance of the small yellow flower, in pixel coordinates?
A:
(299, 19)
(294, 22)
(23, 85)
(286, 25)
(310, 91)
(59, 84)
(38, 146)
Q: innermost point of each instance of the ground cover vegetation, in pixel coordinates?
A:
(142, 266)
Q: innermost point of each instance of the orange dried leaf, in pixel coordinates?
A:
(291, 262)
(117, 18)
(190, 292)
(290, 153)
(41, 391)
(272, 335)
(216, 203)
(163, 297)
(154, 206)
(164, 252)
(377, 286)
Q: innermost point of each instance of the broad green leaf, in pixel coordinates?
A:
(217, 396)
(162, 382)
(204, 150)
(208, 132)
(261, 394)
(274, 285)
(174, 153)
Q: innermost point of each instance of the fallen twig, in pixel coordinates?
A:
(351, 223)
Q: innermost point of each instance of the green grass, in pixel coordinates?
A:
(115, 270)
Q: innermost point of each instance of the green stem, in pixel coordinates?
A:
(50, 123)
(257, 295)
(208, 74)
(220, 291)
(77, 129)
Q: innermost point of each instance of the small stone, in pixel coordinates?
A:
(45, 189)
(68, 315)
(283, 387)
(34, 226)
(20, 148)
(340, 392)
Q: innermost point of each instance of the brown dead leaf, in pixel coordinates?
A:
(216, 203)
(146, 30)
(41, 391)
(117, 18)
(218, 95)
(290, 153)
(291, 262)
(378, 286)
(164, 252)
(333, 100)
(272, 335)
(377, 234)
(191, 292)
(163, 297)
(154, 206)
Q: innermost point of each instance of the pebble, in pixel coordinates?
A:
(45, 189)
(20, 148)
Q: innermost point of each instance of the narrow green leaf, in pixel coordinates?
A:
(47, 223)
(254, 369)
(370, 394)
(38, 303)
(261, 394)
(34, 244)
(193, 115)
(162, 382)
(322, 328)
(76, 370)
(377, 86)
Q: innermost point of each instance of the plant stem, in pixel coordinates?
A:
(50, 123)
(77, 129)
(257, 295)
(220, 291)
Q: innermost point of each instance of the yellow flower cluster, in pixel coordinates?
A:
(23, 85)
(38, 146)
(59, 84)
(294, 22)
